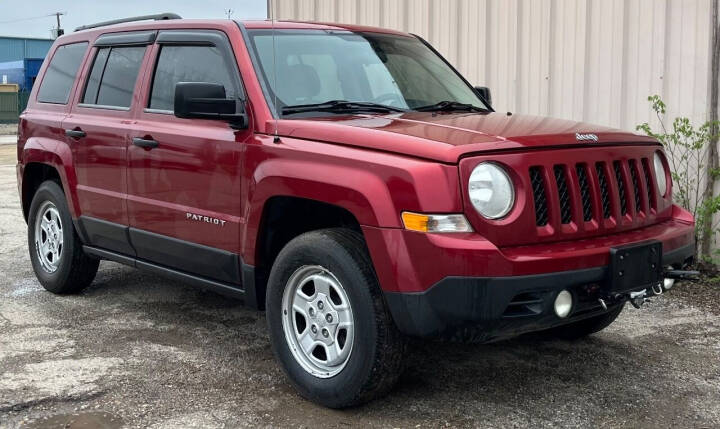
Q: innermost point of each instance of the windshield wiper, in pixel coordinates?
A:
(450, 106)
(341, 106)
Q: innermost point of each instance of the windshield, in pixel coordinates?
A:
(320, 66)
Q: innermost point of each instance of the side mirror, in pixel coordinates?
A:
(203, 100)
(484, 92)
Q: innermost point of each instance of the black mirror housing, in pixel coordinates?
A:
(203, 100)
(484, 93)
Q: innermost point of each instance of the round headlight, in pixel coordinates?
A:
(660, 174)
(491, 190)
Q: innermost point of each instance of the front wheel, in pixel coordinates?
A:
(56, 252)
(329, 326)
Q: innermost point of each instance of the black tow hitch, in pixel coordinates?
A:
(692, 276)
(638, 298)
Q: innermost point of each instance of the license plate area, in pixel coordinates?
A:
(635, 267)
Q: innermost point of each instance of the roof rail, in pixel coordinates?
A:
(156, 17)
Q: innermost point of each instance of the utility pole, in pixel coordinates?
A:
(229, 13)
(714, 100)
(58, 31)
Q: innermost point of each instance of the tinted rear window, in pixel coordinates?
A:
(113, 75)
(187, 64)
(60, 74)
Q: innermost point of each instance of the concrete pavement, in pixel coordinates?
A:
(8, 139)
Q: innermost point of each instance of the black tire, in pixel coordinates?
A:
(583, 328)
(375, 360)
(75, 270)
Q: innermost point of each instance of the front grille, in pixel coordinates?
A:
(591, 181)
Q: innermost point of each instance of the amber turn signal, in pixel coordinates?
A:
(435, 223)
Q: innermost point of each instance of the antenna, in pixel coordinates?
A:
(276, 137)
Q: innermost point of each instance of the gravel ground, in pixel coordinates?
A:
(136, 350)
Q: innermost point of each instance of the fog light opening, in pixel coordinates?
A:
(563, 304)
(668, 283)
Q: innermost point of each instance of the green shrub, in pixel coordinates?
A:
(688, 152)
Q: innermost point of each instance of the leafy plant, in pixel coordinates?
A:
(693, 166)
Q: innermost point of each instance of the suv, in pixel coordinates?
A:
(345, 179)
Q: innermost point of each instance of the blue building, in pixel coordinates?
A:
(20, 59)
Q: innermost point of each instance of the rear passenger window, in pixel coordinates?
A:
(60, 74)
(93, 83)
(113, 75)
(187, 64)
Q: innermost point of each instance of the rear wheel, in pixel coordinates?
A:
(56, 252)
(583, 328)
(329, 326)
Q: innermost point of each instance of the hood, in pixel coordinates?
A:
(447, 137)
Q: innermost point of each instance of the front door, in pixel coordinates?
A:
(184, 174)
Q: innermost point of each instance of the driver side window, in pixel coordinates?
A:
(187, 64)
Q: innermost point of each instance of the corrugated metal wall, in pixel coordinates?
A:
(17, 49)
(593, 60)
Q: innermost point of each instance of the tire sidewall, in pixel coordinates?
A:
(327, 253)
(51, 191)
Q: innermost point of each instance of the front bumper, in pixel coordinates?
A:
(435, 284)
(489, 308)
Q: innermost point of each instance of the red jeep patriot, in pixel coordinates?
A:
(345, 179)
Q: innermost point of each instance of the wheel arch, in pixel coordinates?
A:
(34, 174)
(46, 159)
(284, 217)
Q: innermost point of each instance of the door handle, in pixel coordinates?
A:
(145, 143)
(76, 133)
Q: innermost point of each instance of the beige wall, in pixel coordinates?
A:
(593, 60)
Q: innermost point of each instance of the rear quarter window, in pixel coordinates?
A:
(61, 73)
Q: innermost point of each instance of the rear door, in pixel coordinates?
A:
(98, 127)
(184, 174)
